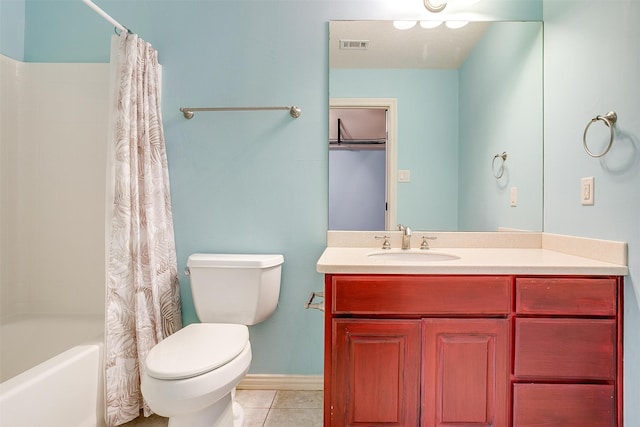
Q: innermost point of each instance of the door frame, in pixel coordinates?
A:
(391, 149)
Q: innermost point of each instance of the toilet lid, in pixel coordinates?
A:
(196, 349)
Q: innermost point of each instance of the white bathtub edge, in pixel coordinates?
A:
(65, 391)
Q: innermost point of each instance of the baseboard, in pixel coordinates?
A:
(281, 382)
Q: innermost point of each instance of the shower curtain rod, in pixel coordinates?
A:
(106, 16)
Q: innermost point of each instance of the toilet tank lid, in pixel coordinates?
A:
(235, 260)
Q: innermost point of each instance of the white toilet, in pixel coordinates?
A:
(191, 376)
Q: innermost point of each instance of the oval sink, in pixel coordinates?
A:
(413, 256)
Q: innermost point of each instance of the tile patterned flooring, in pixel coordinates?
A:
(266, 408)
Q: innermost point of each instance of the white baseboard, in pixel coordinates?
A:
(281, 382)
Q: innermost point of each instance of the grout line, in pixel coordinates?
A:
(273, 401)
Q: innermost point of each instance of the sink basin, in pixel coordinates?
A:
(413, 256)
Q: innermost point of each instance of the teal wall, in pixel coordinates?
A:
(427, 137)
(501, 86)
(592, 65)
(12, 17)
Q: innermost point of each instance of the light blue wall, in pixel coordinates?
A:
(12, 16)
(592, 65)
(501, 111)
(427, 137)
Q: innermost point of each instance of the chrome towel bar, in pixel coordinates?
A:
(188, 112)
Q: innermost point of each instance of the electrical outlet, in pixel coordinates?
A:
(586, 190)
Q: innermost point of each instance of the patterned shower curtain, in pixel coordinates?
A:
(142, 296)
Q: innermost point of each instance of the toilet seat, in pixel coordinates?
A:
(196, 349)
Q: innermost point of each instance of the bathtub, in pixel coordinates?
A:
(51, 371)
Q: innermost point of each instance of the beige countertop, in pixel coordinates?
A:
(535, 254)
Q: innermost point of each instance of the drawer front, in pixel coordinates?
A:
(565, 349)
(563, 405)
(566, 296)
(421, 295)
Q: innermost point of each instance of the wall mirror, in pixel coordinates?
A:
(455, 100)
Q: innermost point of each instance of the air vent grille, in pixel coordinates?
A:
(354, 44)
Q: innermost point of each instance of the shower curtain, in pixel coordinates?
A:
(142, 296)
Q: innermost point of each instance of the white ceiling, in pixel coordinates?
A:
(389, 47)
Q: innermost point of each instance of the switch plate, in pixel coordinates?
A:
(404, 175)
(514, 196)
(586, 190)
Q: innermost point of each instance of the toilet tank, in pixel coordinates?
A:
(235, 288)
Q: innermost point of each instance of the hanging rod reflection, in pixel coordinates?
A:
(189, 112)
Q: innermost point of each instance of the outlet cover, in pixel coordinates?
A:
(404, 175)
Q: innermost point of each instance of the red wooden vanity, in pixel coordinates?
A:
(473, 350)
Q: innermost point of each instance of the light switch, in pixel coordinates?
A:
(586, 190)
(514, 196)
(404, 175)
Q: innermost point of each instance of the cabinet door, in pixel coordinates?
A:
(376, 375)
(465, 372)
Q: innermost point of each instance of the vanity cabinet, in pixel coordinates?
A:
(429, 350)
(417, 350)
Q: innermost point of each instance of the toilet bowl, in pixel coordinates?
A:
(190, 377)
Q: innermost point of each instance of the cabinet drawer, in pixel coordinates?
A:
(566, 296)
(565, 348)
(421, 295)
(563, 405)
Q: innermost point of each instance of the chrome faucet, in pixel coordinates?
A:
(406, 236)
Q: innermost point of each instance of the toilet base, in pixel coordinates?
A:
(224, 413)
(238, 415)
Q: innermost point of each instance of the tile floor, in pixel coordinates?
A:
(266, 408)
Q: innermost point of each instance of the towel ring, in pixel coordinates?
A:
(609, 119)
(500, 172)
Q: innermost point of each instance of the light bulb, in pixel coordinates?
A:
(456, 24)
(430, 24)
(404, 25)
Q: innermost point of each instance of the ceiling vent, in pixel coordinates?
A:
(354, 44)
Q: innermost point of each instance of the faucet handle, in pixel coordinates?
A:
(385, 244)
(425, 244)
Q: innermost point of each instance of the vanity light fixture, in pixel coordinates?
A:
(428, 25)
